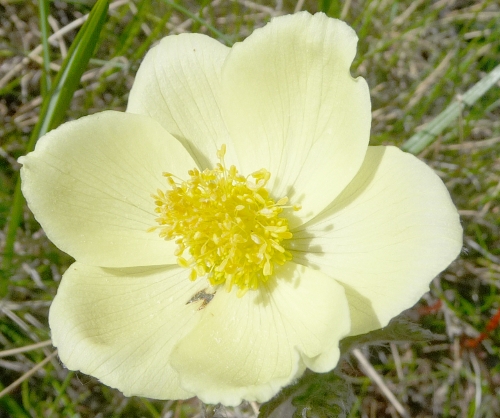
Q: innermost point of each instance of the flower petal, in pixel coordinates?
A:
(391, 231)
(120, 325)
(178, 84)
(89, 184)
(249, 347)
(293, 108)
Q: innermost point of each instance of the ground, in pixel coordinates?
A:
(418, 57)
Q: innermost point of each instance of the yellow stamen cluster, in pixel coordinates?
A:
(228, 224)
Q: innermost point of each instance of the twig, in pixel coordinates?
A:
(377, 379)
(298, 6)
(481, 250)
(477, 380)
(345, 9)
(471, 144)
(397, 360)
(424, 87)
(19, 350)
(28, 374)
(255, 6)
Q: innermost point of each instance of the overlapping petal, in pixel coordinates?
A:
(120, 325)
(292, 107)
(89, 184)
(389, 233)
(249, 347)
(178, 84)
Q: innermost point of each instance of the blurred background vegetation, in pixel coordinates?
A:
(418, 56)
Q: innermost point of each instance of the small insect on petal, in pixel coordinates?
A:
(203, 296)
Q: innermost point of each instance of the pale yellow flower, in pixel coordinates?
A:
(228, 282)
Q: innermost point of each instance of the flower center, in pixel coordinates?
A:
(228, 223)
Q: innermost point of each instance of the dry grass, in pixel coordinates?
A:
(417, 56)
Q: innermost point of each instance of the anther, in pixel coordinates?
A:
(228, 224)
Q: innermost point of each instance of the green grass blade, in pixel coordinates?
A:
(153, 36)
(9, 406)
(427, 136)
(324, 5)
(43, 6)
(133, 28)
(223, 38)
(54, 107)
(16, 212)
(68, 78)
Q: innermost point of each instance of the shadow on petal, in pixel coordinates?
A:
(356, 187)
(324, 223)
(361, 311)
(288, 273)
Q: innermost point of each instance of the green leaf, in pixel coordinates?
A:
(43, 6)
(68, 78)
(328, 395)
(399, 329)
(315, 395)
(54, 107)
